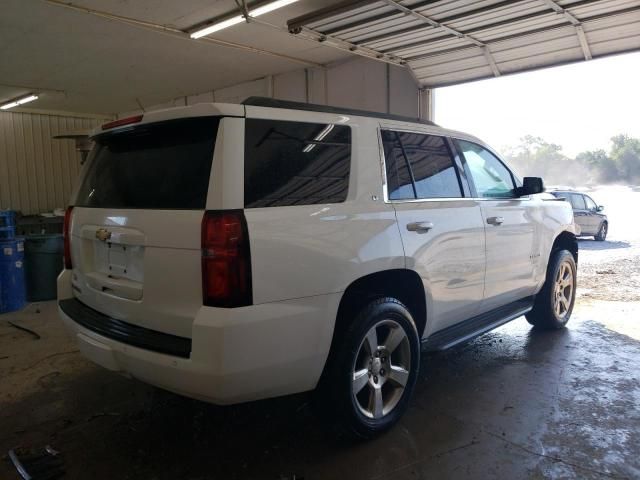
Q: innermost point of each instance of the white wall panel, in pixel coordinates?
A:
(37, 173)
(292, 86)
(359, 83)
(403, 92)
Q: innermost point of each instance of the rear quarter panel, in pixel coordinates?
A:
(299, 251)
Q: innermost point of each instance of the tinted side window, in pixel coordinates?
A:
(419, 166)
(577, 202)
(294, 163)
(591, 205)
(399, 183)
(491, 178)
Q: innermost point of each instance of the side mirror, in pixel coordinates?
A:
(599, 208)
(530, 186)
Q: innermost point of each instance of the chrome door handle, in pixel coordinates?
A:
(495, 221)
(419, 227)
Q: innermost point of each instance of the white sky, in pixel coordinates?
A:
(579, 106)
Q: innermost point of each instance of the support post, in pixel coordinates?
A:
(426, 104)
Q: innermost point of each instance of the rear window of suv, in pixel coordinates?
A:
(295, 163)
(164, 165)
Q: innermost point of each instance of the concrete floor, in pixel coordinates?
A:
(515, 403)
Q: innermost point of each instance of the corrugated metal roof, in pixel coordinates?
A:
(453, 41)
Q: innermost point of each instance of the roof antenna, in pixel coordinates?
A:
(140, 105)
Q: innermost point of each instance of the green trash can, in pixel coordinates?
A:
(43, 263)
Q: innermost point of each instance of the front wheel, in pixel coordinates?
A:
(373, 371)
(554, 303)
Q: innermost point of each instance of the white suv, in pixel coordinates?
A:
(238, 252)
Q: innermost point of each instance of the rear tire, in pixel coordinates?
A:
(372, 372)
(554, 303)
(601, 236)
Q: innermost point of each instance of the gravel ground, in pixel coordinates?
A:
(610, 270)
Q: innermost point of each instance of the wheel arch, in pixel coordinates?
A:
(566, 241)
(403, 284)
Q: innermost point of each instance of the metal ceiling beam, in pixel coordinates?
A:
(451, 31)
(174, 32)
(329, 41)
(584, 44)
(296, 24)
(524, 34)
(418, 6)
(395, 33)
(451, 18)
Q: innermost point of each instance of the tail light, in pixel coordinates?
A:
(226, 260)
(67, 238)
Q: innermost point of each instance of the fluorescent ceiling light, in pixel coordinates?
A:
(19, 101)
(218, 26)
(230, 22)
(270, 7)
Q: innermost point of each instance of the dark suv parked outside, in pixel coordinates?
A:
(587, 213)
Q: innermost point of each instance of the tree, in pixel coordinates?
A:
(536, 157)
(599, 162)
(626, 155)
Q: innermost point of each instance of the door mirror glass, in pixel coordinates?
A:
(599, 208)
(530, 186)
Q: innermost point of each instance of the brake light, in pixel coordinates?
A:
(122, 121)
(67, 238)
(226, 260)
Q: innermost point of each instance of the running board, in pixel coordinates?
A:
(475, 326)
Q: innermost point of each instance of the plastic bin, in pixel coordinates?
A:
(12, 284)
(44, 261)
(7, 218)
(7, 233)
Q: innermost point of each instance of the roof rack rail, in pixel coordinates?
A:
(311, 107)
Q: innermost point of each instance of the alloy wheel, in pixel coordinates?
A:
(381, 369)
(563, 290)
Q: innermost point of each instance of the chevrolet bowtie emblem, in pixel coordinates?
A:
(103, 234)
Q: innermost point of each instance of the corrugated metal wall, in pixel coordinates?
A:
(37, 173)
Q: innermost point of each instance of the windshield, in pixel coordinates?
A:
(164, 165)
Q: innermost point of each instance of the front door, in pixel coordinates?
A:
(442, 231)
(510, 229)
(592, 214)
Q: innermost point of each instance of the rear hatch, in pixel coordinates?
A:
(136, 221)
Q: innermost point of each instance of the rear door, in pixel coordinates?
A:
(135, 233)
(512, 242)
(441, 228)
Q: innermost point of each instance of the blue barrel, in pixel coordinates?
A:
(7, 218)
(12, 286)
(7, 233)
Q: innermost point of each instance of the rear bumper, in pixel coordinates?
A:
(237, 354)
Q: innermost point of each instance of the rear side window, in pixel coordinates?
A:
(295, 163)
(577, 201)
(419, 166)
(164, 165)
